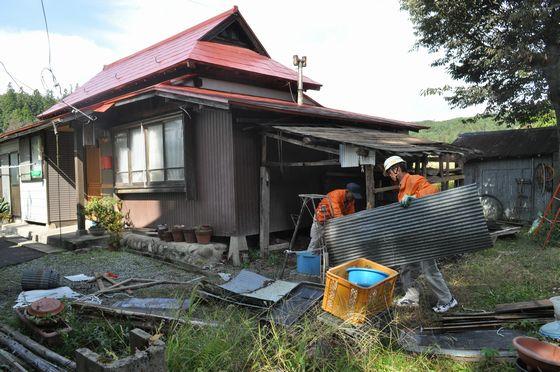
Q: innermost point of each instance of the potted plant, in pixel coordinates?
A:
(203, 234)
(106, 213)
(5, 215)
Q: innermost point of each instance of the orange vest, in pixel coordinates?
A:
(335, 205)
(417, 186)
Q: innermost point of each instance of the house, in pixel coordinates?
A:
(514, 170)
(203, 128)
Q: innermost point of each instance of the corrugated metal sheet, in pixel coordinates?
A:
(373, 139)
(61, 190)
(439, 225)
(177, 50)
(247, 188)
(498, 144)
(215, 203)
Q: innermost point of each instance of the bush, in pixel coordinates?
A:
(106, 212)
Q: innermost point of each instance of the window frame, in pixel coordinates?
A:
(27, 176)
(147, 185)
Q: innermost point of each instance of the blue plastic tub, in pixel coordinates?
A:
(308, 263)
(365, 277)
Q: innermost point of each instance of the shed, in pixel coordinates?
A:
(514, 170)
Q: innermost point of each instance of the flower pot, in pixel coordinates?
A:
(190, 236)
(96, 230)
(167, 236)
(177, 232)
(203, 234)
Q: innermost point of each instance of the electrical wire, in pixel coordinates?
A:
(47, 29)
(19, 85)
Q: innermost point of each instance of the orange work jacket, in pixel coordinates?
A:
(417, 186)
(335, 206)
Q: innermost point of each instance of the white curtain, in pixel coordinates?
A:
(174, 150)
(156, 167)
(121, 150)
(137, 156)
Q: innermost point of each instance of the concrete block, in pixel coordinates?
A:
(190, 253)
(147, 356)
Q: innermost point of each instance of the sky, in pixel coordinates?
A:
(361, 51)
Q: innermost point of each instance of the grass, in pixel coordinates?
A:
(514, 270)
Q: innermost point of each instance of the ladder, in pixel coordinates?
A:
(546, 217)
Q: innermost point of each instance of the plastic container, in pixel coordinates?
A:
(353, 303)
(365, 277)
(308, 263)
(556, 304)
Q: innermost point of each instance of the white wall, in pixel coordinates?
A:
(34, 201)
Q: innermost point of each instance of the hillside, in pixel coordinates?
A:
(448, 130)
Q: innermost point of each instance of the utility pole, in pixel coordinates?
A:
(300, 63)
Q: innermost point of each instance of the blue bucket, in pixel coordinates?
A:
(308, 263)
(365, 277)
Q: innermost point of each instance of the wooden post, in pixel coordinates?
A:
(80, 180)
(446, 183)
(264, 230)
(370, 186)
(440, 171)
(425, 166)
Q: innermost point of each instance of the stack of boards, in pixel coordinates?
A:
(504, 315)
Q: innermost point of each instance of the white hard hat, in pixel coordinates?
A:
(390, 161)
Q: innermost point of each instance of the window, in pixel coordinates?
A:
(149, 154)
(31, 153)
(14, 171)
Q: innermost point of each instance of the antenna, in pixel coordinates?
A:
(300, 63)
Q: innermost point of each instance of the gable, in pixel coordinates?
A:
(235, 31)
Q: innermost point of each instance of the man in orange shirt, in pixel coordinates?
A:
(335, 204)
(410, 188)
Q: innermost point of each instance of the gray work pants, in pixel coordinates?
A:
(316, 234)
(409, 275)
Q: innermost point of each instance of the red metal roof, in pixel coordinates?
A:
(265, 104)
(174, 51)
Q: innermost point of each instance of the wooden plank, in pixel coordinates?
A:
(189, 156)
(370, 186)
(278, 247)
(301, 143)
(386, 188)
(264, 230)
(304, 163)
(524, 306)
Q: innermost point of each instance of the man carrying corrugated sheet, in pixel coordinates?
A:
(336, 203)
(410, 188)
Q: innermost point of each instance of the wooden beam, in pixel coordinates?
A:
(387, 188)
(303, 163)
(189, 156)
(370, 186)
(264, 230)
(80, 179)
(301, 143)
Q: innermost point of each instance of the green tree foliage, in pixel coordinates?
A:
(506, 51)
(19, 108)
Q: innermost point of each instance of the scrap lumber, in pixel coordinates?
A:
(27, 356)
(135, 316)
(114, 282)
(178, 265)
(37, 348)
(524, 306)
(99, 281)
(9, 360)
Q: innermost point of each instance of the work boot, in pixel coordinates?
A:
(445, 307)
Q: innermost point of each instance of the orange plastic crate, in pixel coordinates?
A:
(353, 303)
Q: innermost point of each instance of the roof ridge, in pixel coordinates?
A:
(173, 37)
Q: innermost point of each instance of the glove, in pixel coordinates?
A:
(407, 200)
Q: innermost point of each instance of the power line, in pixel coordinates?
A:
(16, 80)
(47, 29)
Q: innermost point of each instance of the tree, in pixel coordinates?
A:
(507, 53)
(20, 108)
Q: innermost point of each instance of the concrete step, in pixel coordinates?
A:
(73, 241)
